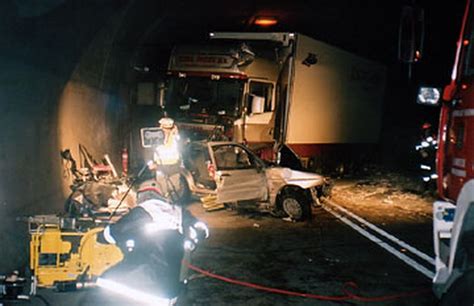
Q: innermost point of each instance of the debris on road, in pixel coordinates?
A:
(209, 203)
(382, 193)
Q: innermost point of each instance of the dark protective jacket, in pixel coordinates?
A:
(151, 236)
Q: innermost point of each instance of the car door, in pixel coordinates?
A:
(240, 175)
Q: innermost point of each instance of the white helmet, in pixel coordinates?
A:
(166, 123)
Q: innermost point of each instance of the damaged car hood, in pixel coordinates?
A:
(293, 177)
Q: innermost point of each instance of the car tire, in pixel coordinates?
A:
(461, 292)
(295, 205)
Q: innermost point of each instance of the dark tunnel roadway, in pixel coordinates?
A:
(321, 258)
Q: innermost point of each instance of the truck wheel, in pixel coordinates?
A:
(295, 206)
(461, 292)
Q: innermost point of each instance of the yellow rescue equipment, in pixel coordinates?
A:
(63, 255)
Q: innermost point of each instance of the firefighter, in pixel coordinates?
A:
(427, 150)
(166, 158)
(154, 237)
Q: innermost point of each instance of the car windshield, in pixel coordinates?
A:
(202, 95)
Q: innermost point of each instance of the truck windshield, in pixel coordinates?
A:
(201, 95)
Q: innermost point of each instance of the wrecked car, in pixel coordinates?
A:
(96, 190)
(235, 175)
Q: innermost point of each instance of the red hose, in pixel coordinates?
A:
(348, 295)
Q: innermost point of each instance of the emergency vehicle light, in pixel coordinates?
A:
(265, 21)
(429, 96)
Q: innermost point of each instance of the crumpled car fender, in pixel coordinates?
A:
(279, 178)
(288, 176)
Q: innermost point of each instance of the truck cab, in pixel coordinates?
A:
(225, 90)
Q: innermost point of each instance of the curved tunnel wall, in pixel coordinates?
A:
(91, 110)
(59, 86)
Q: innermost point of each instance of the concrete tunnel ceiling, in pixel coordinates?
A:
(68, 64)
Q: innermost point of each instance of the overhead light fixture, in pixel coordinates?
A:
(265, 21)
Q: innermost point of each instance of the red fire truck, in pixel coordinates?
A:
(453, 213)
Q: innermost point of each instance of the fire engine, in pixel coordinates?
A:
(453, 213)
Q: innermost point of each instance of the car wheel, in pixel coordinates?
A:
(461, 292)
(295, 206)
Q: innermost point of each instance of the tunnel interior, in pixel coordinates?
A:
(69, 69)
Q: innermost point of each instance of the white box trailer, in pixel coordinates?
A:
(274, 90)
(336, 101)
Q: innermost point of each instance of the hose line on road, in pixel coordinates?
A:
(346, 289)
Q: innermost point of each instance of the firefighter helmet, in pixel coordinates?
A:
(148, 190)
(166, 123)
